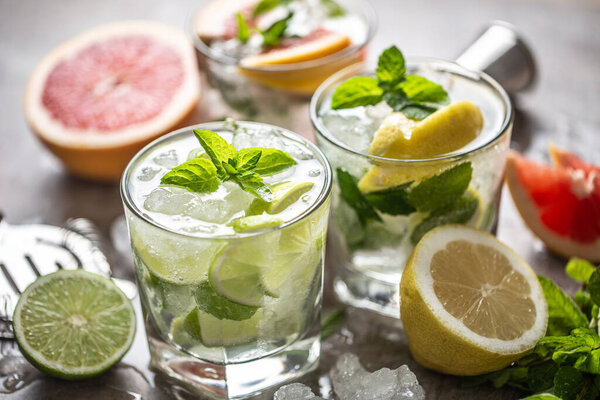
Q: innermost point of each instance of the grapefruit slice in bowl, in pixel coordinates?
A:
(560, 204)
(95, 100)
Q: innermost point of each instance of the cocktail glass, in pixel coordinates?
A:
(271, 93)
(369, 256)
(267, 330)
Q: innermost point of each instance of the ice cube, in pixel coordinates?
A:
(167, 159)
(147, 174)
(218, 207)
(352, 130)
(378, 112)
(352, 382)
(295, 391)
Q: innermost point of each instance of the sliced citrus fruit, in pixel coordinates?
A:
(213, 332)
(305, 78)
(255, 222)
(238, 281)
(561, 205)
(98, 98)
(444, 131)
(469, 304)
(284, 195)
(74, 324)
(217, 19)
(211, 302)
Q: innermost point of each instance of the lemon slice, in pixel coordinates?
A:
(444, 131)
(469, 304)
(399, 137)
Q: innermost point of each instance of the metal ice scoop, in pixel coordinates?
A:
(29, 251)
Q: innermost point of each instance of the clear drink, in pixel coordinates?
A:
(267, 82)
(231, 302)
(369, 255)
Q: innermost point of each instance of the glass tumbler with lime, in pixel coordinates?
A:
(227, 223)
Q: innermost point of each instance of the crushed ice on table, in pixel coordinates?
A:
(295, 391)
(352, 382)
(167, 159)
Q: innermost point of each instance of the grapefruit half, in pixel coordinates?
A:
(95, 100)
(560, 204)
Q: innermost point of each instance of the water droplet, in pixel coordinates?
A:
(314, 173)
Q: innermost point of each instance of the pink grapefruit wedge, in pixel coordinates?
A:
(95, 100)
(560, 204)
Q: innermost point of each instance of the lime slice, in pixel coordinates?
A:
(180, 335)
(213, 332)
(284, 195)
(238, 281)
(219, 306)
(255, 222)
(299, 253)
(176, 260)
(73, 324)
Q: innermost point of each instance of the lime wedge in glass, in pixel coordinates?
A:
(255, 222)
(238, 281)
(211, 302)
(213, 332)
(74, 324)
(284, 195)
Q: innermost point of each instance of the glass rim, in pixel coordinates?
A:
(440, 65)
(371, 20)
(128, 202)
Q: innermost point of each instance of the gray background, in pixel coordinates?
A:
(563, 107)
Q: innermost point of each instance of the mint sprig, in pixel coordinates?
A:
(564, 365)
(413, 95)
(443, 198)
(273, 34)
(245, 167)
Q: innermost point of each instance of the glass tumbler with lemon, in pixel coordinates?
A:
(413, 145)
(227, 223)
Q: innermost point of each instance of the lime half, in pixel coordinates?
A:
(74, 324)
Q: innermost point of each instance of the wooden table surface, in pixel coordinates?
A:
(564, 107)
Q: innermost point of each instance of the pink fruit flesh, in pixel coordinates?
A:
(114, 83)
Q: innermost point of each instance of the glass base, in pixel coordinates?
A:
(362, 291)
(235, 381)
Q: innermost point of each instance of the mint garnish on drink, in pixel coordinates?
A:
(245, 167)
(414, 96)
(443, 197)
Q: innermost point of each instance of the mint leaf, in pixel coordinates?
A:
(584, 301)
(331, 321)
(272, 161)
(357, 91)
(243, 28)
(252, 182)
(418, 112)
(568, 383)
(440, 190)
(247, 159)
(263, 6)
(579, 269)
(217, 149)
(396, 99)
(459, 212)
(563, 313)
(273, 34)
(334, 10)
(209, 301)
(422, 91)
(391, 201)
(354, 197)
(390, 67)
(593, 286)
(197, 175)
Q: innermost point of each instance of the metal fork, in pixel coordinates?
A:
(30, 251)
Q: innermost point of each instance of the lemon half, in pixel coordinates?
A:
(469, 304)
